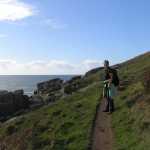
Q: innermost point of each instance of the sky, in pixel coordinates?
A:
(70, 36)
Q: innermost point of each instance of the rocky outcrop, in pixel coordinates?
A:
(79, 77)
(73, 85)
(3, 92)
(19, 92)
(11, 102)
(49, 86)
(36, 101)
(53, 96)
(54, 89)
(50, 90)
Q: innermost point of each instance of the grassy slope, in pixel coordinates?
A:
(65, 125)
(131, 121)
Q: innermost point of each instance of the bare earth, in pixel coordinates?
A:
(102, 136)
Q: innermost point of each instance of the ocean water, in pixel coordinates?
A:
(26, 82)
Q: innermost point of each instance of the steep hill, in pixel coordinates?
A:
(131, 121)
(67, 124)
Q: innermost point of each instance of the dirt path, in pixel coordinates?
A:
(102, 136)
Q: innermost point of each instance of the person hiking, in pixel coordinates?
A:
(111, 83)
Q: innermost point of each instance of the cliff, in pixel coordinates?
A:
(11, 102)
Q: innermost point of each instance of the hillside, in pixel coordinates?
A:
(67, 123)
(131, 121)
(63, 125)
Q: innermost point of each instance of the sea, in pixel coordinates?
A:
(26, 82)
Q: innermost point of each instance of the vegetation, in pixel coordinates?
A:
(66, 125)
(131, 121)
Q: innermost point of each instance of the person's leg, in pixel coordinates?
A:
(112, 94)
(106, 109)
(105, 95)
(111, 106)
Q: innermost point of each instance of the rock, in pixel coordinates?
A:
(35, 101)
(52, 97)
(73, 79)
(50, 90)
(10, 102)
(73, 85)
(49, 86)
(3, 92)
(19, 92)
(6, 98)
(20, 102)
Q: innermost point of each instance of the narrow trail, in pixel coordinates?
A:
(103, 135)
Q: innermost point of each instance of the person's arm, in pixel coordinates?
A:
(106, 81)
(109, 80)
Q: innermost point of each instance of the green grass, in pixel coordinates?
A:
(131, 121)
(65, 125)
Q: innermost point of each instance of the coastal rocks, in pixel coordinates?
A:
(50, 90)
(3, 92)
(19, 92)
(75, 78)
(49, 86)
(52, 97)
(73, 85)
(54, 89)
(11, 102)
(36, 101)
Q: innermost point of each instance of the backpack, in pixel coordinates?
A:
(115, 77)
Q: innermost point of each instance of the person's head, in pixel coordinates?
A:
(106, 64)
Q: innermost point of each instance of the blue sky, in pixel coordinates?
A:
(70, 36)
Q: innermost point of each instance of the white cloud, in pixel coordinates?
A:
(92, 63)
(47, 67)
(60, 64)
(55, 24)
(14, 10)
